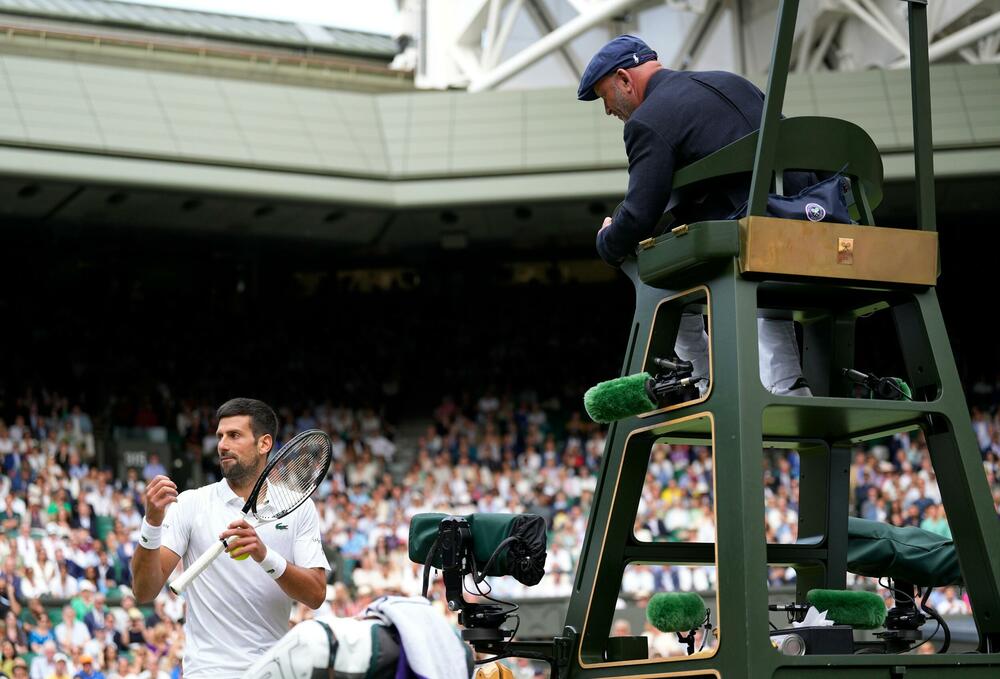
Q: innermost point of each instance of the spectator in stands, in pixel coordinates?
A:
(10, 515)
(15, 634)
(115, 636)
(99, 640)
(62, 669)
(71, 634)
(158, 615)
(353, 542)
(30, 613)
(63, 585)
(105, 574)
(84, 519)
(8, 597)
(952, 604)
(109, 660)
(173, 606)
(121, 669)
(158, 640)
(41, 634)
(935, 522)
(31, 584)
(87, 669)
(83, 603)
(621, 628)
(44, 567)
(130, 519)
(136, 631)
(100, 497)
(115, 564)
(912, 516)
(8, 653)
(20, 669)
(153, 468)
(60, 500)
(151, 668)
(90, 608)
(44, 663)
(122, 611)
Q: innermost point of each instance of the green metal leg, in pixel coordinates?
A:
(737, 405)
(827, 348)
(823, 508)
(839, 503)
(958, 465)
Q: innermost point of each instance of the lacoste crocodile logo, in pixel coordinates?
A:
(281, 526)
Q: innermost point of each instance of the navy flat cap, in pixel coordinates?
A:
(625, 51)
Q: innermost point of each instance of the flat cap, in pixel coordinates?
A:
(625, 51)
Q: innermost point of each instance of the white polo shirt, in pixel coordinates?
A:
(235, 611)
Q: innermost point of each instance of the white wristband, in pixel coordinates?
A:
(273, 564)
(149, 536)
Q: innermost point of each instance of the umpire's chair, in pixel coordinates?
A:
(825, 277)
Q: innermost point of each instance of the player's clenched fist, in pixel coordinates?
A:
(160, 492)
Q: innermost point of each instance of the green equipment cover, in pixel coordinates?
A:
(912, 555)
(523, 557)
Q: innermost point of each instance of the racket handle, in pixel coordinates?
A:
(194, 570)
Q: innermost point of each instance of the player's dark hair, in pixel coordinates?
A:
(262, 417)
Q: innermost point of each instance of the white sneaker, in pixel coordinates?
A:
(799, 388)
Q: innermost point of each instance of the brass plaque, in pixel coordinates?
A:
(845, 251)
(795, 247)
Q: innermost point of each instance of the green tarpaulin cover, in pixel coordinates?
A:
(913, 555)
(524, 558)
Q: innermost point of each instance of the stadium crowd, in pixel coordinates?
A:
(69, 528)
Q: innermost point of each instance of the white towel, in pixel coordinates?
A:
(432, 646)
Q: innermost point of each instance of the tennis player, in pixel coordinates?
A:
(237, 608)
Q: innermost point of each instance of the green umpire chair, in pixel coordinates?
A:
(825, 277)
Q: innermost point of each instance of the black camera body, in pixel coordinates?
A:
(510, 545)
(481, 622)
(673, 383)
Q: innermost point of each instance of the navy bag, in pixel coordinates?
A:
(824, 201)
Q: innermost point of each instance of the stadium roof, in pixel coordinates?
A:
(377, 147)
(207, 24)
(108, 143)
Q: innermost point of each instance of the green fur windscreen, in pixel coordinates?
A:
(860, 610)
(676, 611)
(617, 399)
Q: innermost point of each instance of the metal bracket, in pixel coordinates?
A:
(563, 647)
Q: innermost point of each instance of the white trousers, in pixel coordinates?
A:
(777, 348)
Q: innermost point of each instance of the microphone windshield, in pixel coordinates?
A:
(861, 610)
(619, 398)
(676, 611)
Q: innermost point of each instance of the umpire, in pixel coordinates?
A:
(673, 118)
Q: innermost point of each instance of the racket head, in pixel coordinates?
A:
(291, 476)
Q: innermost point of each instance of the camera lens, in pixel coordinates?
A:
(793, 644)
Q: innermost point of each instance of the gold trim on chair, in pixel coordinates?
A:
(691, 292)
(663, 429)
(843, 251)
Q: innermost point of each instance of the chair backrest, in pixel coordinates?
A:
(812, 143)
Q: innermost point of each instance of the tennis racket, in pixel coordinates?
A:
(290, 477)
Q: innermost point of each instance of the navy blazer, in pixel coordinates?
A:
(685, 116)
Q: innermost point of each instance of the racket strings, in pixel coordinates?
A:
(295, 475)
